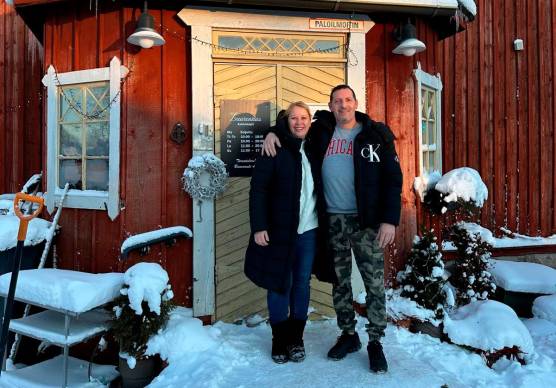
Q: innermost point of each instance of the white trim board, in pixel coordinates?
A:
(87, 199)
(202, 22)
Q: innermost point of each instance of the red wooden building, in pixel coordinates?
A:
(485, 104)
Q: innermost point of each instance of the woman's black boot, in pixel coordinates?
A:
(279, 342)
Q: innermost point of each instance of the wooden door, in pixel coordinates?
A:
(280, 84)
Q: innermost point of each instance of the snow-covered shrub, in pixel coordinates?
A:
(141, 310)
(422, 280)
(471, 276)
(461, 188)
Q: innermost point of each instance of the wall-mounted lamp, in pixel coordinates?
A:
(145, 34)
(409, 44)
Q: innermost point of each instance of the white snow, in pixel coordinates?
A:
(463, 183)
(142, 238)
(524, 277)
(423, 183)
(517, 240)
(545, 307)
(228, 355)
(63, 289)
(399, 307)
(9, 225)
(488, 325)
(146, 282)
(469, 5)
(6, 207)
(36, 178)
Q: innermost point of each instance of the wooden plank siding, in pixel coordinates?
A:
(155, 96)
(498, 111)
(21, 57)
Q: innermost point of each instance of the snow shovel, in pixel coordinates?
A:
(21, 234)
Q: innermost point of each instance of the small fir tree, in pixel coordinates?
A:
(132, 330)
(423, 278)
(471, 276)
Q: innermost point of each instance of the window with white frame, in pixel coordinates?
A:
(83, 137)
(429, 98)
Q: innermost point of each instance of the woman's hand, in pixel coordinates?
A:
(261, 238)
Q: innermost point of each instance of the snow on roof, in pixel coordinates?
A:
(63, 289)
(469, 5)
(463, 183)
(544, 307)
(146, 282)
(498, 325)
(524, 277)
(9, 225)
(142, 238)
(517, 240)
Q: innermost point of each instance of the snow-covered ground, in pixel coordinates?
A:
(227, 355)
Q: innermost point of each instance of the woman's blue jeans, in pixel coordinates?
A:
(295, 302)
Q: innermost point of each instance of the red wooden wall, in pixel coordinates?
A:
(498, 109)
(21, 70)
(155, 96)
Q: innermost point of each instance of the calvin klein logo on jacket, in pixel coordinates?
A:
(369, 151)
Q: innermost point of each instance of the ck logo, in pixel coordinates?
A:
(369, 152)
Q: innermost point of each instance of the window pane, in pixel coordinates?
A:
(425, 161)
(232, 42)
(331, 45)
(97, 139)
(97, 174)
(424, 134)
(70, 172)
(67, 113)
(432, 164)
(98, 100)
(432, 106)
(432, 132)
(70, 139)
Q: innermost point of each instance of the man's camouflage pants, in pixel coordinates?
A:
(345, 234)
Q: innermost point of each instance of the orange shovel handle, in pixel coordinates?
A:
(24, 219)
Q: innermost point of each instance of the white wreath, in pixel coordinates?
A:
(205, 177)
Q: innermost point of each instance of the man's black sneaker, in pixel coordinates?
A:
(377, 361)
(347, 343)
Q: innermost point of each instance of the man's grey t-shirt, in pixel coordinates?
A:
(337, 172)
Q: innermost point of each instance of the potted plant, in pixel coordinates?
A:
(142, 309)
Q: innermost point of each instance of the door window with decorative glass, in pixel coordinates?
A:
(83, 137)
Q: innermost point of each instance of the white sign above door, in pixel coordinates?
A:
(343, 25)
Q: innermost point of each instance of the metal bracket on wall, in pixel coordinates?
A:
(178, 134)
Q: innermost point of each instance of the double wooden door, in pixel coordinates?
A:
(279, 84)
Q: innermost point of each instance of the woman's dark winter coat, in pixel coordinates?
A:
(274, 201)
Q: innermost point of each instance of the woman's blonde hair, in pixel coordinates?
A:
(299, 104)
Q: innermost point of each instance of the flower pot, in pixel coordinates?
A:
(140, 376)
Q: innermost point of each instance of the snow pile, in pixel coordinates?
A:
(6, 207)
(463, 183)
(182, 336)
(399, 307)
(524, 277)
(144, 238)
(488, 325)
(545, 307)
(146, 282)
(63, 289)
(241, 358)
(198, 356)
(425, 182)
(9, 225)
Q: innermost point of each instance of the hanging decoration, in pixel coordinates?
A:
(205, 177)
